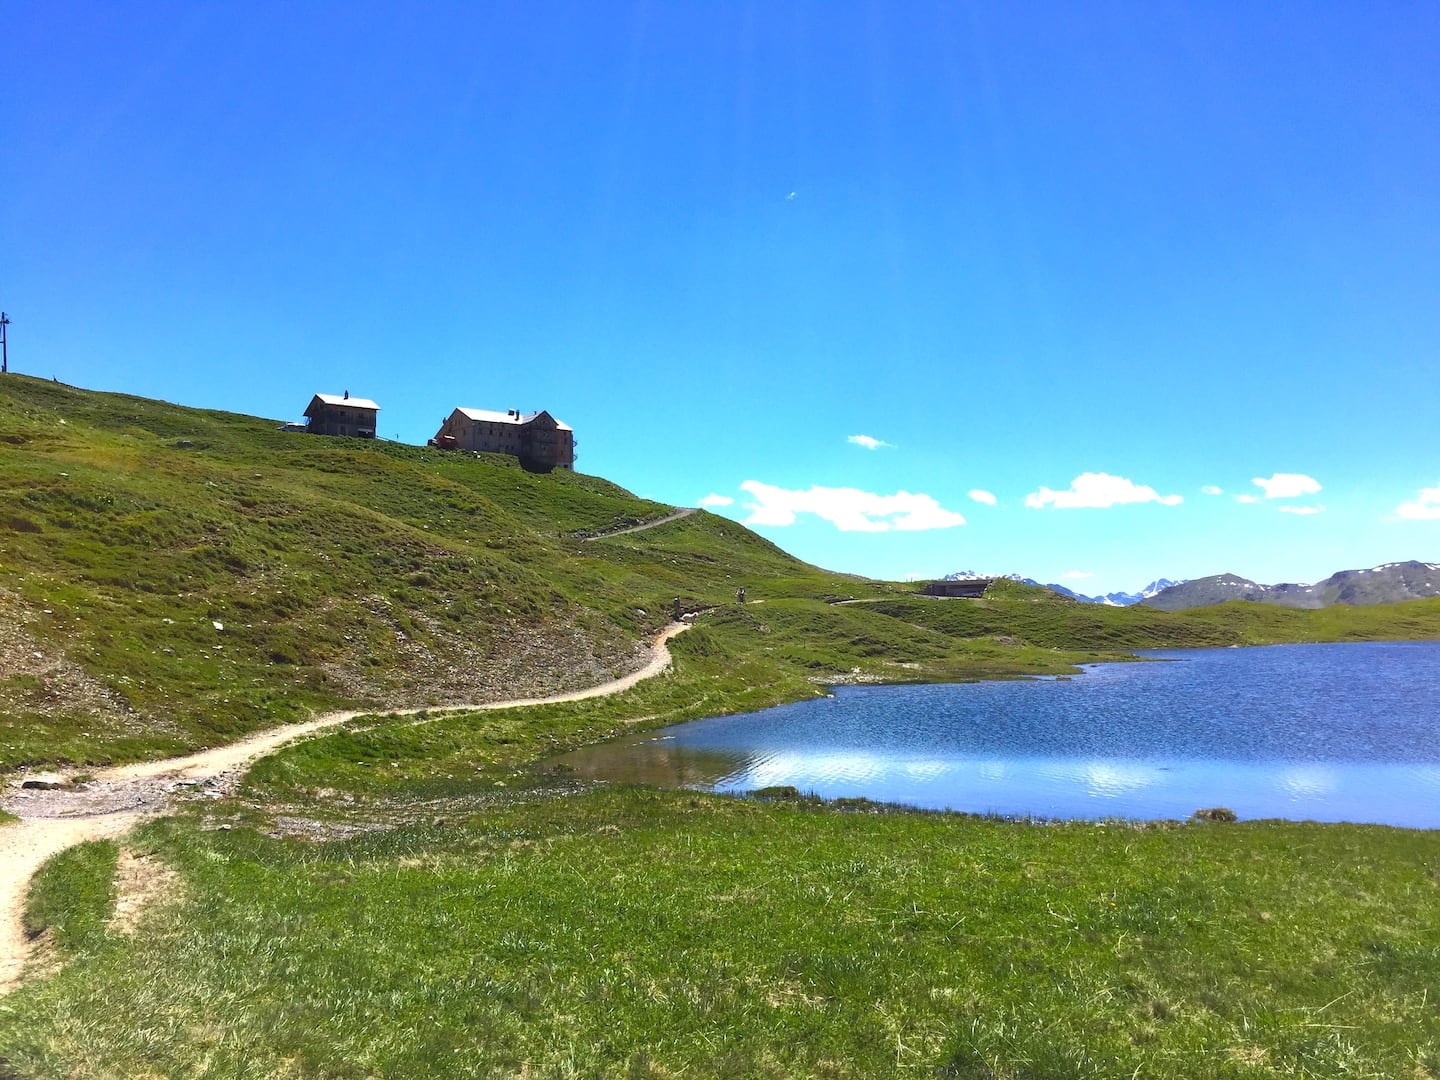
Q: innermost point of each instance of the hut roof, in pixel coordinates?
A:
(489, 416)
(352, 402)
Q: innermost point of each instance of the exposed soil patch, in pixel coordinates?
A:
(141, 882)
(443, 667)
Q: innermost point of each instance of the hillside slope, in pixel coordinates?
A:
(172, 578)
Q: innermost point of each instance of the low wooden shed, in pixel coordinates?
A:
(969, 588)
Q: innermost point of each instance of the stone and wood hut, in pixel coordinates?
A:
(537, 439)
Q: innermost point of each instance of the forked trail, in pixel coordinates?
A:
(120, 797)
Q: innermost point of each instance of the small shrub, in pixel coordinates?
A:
(1214, 813)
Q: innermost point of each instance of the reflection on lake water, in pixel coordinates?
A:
(1347, 732)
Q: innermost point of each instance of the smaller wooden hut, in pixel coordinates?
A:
(968, 588)
(341, 414)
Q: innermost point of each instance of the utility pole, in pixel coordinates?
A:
(4, 345)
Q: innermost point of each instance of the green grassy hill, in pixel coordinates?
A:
(345, 573)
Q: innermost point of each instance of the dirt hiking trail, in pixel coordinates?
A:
(684, 512)
(119, 798)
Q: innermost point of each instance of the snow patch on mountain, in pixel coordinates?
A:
(1114, 599)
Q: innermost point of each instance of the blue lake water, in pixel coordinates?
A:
(1337, 732)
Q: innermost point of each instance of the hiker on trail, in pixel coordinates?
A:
(677, 609)
(740, 595)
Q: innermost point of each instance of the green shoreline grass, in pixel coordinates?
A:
(629, 932)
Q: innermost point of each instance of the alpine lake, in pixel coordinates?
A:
(1323, 732)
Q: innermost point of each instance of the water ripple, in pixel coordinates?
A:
(1347, 732)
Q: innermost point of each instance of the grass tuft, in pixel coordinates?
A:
(73, 895)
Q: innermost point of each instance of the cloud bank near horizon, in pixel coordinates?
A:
(848, 509)
(1098, 490)
(1425, 506)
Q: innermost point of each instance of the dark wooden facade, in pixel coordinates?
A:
(970, 588)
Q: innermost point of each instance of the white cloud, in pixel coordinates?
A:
(1099, 490)
(1211, 489)
(716, 500)
(1288, 485)
(869, 442)
(982, 496)
(848, 509)
(1247, 498)
(1306, 510)
(1426, 506)
(1078, 575)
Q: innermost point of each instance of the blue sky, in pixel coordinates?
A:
(1116, 253)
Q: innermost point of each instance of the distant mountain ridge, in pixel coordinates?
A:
(1391, 583)
(1114, 599)
(1118, 599)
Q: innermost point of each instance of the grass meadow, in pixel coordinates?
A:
(629, 932)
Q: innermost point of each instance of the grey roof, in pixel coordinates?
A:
(491, 417)
(352, 402)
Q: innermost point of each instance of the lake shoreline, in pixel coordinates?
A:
(1082, 750)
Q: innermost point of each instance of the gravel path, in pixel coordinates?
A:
(120, 797)
(676, 516)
